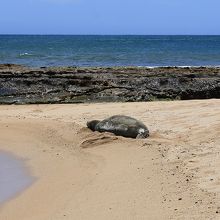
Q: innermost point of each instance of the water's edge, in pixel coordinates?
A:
(14, 176)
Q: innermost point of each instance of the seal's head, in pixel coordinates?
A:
(92, 124)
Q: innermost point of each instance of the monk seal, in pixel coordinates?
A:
(120, 125)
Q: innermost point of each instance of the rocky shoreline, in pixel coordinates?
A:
(23, 85)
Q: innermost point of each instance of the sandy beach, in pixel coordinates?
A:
(173, 174)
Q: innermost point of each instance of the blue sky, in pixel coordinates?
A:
(109, 17)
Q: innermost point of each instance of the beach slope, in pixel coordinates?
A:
(174, 174)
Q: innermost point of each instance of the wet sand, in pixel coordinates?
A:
(174, 174)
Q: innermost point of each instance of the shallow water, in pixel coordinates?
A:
(14, 176)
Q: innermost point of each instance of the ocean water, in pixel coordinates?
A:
(66, 50)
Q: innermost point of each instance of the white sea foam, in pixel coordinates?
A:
(25, 54)
(153, 67)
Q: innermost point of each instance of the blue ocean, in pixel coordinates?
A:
(67, 50)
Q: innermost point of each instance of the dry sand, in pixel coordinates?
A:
(174, 174)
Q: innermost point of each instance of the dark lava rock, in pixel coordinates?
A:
(22, 85)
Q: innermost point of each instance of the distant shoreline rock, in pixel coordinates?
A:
(24, 85)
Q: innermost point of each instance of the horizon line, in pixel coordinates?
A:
(113, 34)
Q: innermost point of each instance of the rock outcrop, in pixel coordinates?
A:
(22, 85)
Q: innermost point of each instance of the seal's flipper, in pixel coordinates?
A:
(142, 133)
